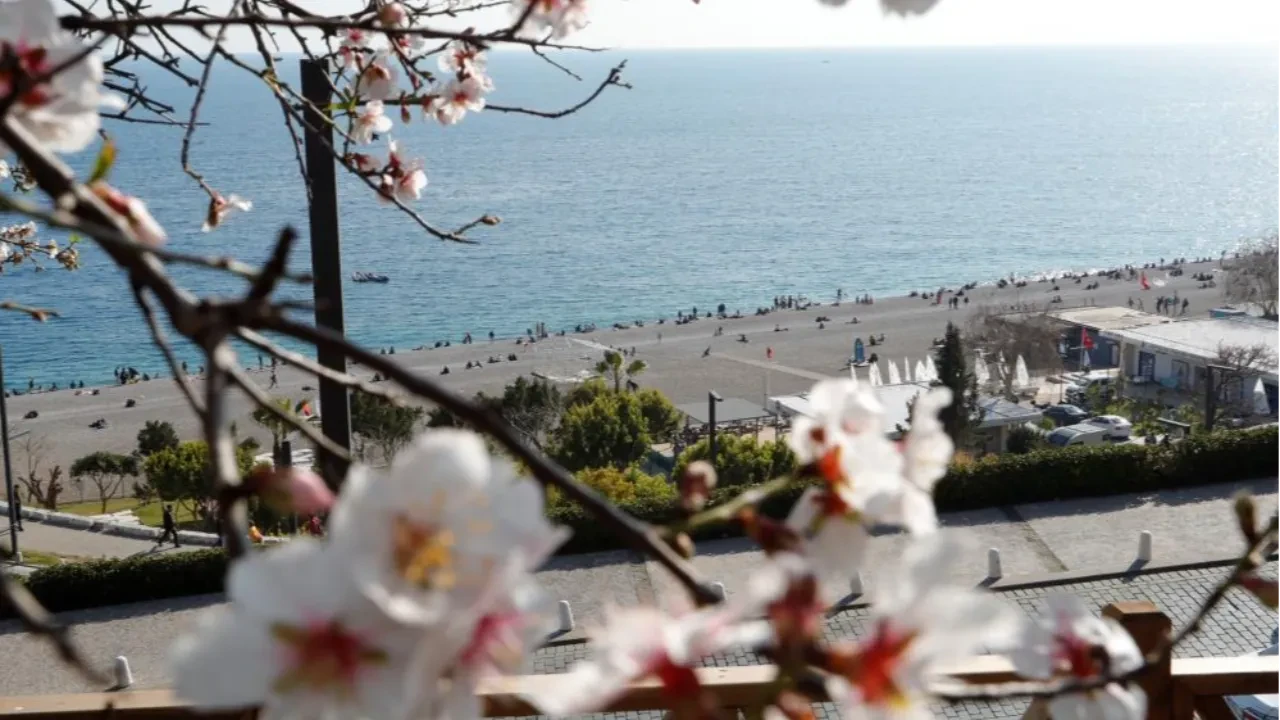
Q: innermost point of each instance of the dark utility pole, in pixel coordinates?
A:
(712, 398)
(10, 493)
(326, 260)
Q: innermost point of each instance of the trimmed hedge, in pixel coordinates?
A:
(1052, 474)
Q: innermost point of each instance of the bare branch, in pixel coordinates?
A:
(158, 337)
(37, 314)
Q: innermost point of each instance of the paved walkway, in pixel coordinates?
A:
(82, 543)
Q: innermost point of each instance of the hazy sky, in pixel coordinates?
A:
(805, 23)
(809, 23)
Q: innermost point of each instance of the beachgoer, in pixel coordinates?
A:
(170, 527)
(1185, 303)
(274, 380)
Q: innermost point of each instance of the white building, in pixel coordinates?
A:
(1174, 355)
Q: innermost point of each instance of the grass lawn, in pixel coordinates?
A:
(148, 514)
(41, 559)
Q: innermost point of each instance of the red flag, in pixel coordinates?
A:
(1143, 280)
(768, 353)
(1085, 340)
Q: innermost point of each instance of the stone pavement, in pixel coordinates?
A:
(82, 543)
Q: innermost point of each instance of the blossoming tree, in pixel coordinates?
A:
(425, 584)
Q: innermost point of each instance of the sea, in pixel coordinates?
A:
(718, 177)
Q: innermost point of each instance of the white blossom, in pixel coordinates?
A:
(297, 638)
(917, 621)
(221, 207)
(1071, 641)
(430, 535)
(353, 42)
(403, 178)
(61, 112)
(4, 170)
(459, 96)
(636, 643)
(377, 79)
(561, 17)
(463, 58)
(5, 251)
(926, 451)
(371, 121)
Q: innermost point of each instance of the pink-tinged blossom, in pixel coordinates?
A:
(377, 79)
(370, 121)
(926, 452)
(426, 538)
(134, 211)
(456, 98)
(292, 490)
(638, 643)
(297, 639)
(1069, 641)
(61, 112)
(561, 17)
(917, 620)
(221, 207)
(354, 41)
(364, 162)
(463, 58)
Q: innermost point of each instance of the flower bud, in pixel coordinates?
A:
(1265, 590)
(405, 116)
(393, 15)
(683, 544)
(696, 484)
(292, 490)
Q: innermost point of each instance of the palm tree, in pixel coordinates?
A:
(278, 428)
(611, 367)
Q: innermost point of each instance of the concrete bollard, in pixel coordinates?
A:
(855, 584)
(993, 564)
(123, 675)
(718, 589)
(1144, 546)
(566, 616)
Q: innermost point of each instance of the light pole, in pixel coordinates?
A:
(8, 469)
(713, 397)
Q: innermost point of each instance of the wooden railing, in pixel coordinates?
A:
(1176, 690)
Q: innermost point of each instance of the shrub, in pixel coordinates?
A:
(741, 460)
(1023, 439)
(94, 583)
(619, 486)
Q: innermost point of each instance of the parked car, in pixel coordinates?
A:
(1117, 428)
(1065, 414)
(1079, 385)
(1081, 434)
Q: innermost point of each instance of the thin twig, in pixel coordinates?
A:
(302, 361)
(261, 399)
(37, 314)
(158, 337)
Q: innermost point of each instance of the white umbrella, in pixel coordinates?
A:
(922, 372)
(931, 367)
(980, 370)
(894, 377)
(1020, 375)
(1260, 404)
(853, 374)
(874, 376)
(906, 369)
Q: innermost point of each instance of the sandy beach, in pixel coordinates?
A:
(802, 354)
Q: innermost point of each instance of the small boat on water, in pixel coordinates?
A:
(367, 277)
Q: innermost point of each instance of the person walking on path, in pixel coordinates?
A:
(170, 527)
(17, 510)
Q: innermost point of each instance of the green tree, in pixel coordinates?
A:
(607, 432)
(661, 417)
(740, 460)
(620, 486)
(585, 392)
(963, 415)
(533, 407)
(1023, 439)
(106, 471)
(384, 424)
(615, 368)
(182, 475)
(156, 435)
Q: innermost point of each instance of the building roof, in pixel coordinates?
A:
(1201, 337)
(1114, 317)
(998, 411)
(727, 411)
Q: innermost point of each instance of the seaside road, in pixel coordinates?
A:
(83, 543)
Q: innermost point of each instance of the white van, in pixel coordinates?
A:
(1082, 434)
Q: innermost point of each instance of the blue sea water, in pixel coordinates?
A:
(722, 176)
